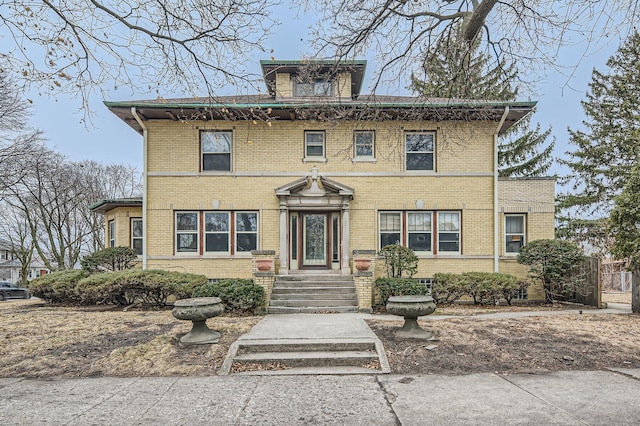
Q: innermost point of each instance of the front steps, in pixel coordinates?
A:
(306, 356)
(318, 293)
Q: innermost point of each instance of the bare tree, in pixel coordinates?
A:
(401, 32)
(162, 46)
(15, 230)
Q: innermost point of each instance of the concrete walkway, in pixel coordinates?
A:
(562, 398)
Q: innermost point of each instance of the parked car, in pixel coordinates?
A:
(12, 291)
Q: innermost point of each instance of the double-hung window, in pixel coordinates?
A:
(449, 232)
(390, 228)
(363, 145)
(187, 232)
(112, 233)
(136, 235)
(514, 230)
(419, 231)
(314, 146)
(216, 150)
(419, 151)
(246, 231)
(216, 231)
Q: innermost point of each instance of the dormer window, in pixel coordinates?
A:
(319, 87)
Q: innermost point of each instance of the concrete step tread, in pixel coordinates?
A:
(306, 355)
(335, 370)
(304, 303)
(310, 309)
(312, 296)
(257, 342)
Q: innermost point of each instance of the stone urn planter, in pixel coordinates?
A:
(198, 310)
(362, 263)
(412, 307)
(264, 265)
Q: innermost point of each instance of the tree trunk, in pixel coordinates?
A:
(635, 291)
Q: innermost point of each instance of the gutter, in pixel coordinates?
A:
(496, 213)
(144, 185)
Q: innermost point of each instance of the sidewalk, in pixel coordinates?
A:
(562, 398)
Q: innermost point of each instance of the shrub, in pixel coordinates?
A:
(555, 263)
(110, 259)
(58, 287)
(238, 295)
(387, 287)
(399, 261)
(447, 288)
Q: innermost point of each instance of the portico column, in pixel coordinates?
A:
(346, 236)
(284, 241)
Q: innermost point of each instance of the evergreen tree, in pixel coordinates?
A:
(606, 151)
(623, 224)
(457, 71)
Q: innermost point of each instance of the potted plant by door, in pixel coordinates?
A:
(362, 263)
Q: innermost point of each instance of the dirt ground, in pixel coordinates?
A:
(42, 341)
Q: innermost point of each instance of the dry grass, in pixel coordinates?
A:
(617, 298)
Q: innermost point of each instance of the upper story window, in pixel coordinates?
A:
(419, 151)
(514, 231)
(136, 235)
(363, 145)
(216, 150)
(314, 146)
(112, 233)
(318, 87)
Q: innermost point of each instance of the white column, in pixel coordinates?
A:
(346, 246)
(284, 241)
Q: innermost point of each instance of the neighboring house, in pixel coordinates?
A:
(314, 170)
(11, 268)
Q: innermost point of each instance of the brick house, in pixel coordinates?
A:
(313, 171)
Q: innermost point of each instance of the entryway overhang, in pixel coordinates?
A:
(314, 193)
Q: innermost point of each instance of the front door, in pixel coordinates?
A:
(314, 239)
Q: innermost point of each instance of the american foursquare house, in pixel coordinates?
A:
(313, 173)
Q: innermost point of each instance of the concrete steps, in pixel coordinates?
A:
(306, 356)
(317, 293)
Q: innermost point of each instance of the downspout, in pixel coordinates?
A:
(144, 186)
(496, 221)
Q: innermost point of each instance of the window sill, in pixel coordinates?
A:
(364, 160)
(420, 172)
(314, 160)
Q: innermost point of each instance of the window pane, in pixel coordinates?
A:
(449, 222)
(187, 242)
(247, 242)
(514, 243)
(449, 242)
(187, 221)
(314, 138)
(216, 162)
(419, 142)
(216, 222)
(389, 238)
(216, 142)
(419, 221)
(304, 89)
(364, 144)
(136, 228)
(322, 88)
(217, 242)
(420, 161)
(137, 246)
(514, 224)
(246, 222)
(390, 222)
(315, 151)
(420, 241)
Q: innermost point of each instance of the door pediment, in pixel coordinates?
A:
(314, 191)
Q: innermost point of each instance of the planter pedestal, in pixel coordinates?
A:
(198, 310)
(412, 307)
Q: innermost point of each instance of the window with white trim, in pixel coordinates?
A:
(216, 150)
(419, 151)
(223, 232)
(314, 145)
(449, 232)
(390, 228)
(419, 231)
(364, 145)
(187, 232)
(318, 87)
(112, 233)
(136, 235)
(515, 233)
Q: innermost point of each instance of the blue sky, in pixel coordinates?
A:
(108, 140)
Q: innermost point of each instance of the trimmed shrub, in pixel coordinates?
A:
(110, 259)
(238, 295)
(511, 290)
(58, 287)
(447, 288)
(399, 261)
(387, 287)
